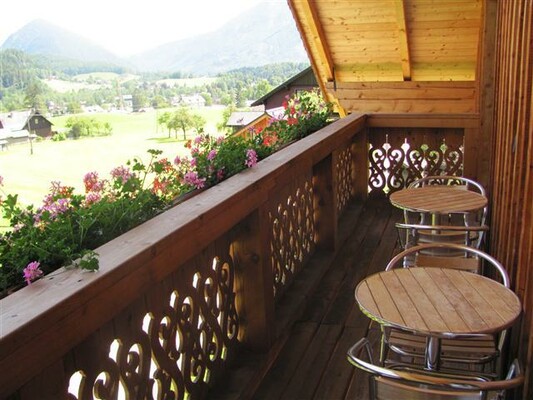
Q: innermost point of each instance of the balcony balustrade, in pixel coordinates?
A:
(179, 298)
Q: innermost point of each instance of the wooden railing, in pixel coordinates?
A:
(178, 297)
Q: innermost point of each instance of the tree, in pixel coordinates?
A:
(182, 119)
(198, 123)
(225, 117)
(165, 120)
(35, 96)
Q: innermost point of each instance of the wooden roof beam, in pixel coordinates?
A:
(316, 46)
(404, 39)
(318, 36)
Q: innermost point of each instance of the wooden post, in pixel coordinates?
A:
(472, 143)
(360, 165)
(325, 203)
(255, 282)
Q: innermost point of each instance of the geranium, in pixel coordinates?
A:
(67, 227)
(251, 158)
(32, 272)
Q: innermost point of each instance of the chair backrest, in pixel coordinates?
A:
(415, 234)
(416, 256)
(469, 184)
(401, 383)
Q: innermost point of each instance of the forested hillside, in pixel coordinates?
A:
(26, 81)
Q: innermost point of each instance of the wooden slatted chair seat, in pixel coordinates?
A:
(471, 264)
(386, 389)
(476, 350)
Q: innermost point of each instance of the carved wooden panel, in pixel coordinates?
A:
(292, 232)
(344, 180)
(399, 156)
(169, 344)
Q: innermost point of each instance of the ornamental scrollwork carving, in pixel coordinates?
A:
(169, 347)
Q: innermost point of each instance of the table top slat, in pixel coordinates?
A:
(405, 304)
(384, 301)
(440, 303)
(472, 295)
(504, 306)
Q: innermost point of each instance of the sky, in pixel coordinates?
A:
(126, 27)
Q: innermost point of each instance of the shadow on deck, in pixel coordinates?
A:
(311, 362)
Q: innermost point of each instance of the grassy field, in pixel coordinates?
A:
(29, 175)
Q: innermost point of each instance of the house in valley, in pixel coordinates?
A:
(20, 126)
(246, 123)
(273, 100)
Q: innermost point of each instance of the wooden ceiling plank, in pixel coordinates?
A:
(404, 40)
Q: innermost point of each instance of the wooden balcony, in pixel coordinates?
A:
(200, 301)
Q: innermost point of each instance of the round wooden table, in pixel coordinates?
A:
(438, 199)
(437, 302)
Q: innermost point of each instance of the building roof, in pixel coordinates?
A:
(285, 85)
(16, 120)
(243, 118)
(363, 50)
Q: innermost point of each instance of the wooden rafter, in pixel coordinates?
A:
(316, 46)
(404, 39)
(318, 37)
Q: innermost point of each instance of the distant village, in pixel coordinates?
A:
(19, 127)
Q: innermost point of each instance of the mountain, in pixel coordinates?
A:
(42, 37)
(265, 34)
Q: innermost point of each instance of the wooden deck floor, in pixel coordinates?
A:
(312, 363)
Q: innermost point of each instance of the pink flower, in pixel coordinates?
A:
(198, 139)
(193, 162)
(177, 160)
(212, 154)
(122, 174)
(251, 158)
(92, 197)
(220, 139)
(192, 178)
(92, 183)
(195, 150)
(32, 272)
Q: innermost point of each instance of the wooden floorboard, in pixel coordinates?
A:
(322, 371)
(311, 363)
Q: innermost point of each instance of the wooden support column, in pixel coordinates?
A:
(472, 143)
(404, 39)
(255, 283)
(325, 204)
(360, 167)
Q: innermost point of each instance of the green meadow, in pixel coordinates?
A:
(29, 175)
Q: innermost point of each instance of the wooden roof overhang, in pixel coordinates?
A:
(393, 55)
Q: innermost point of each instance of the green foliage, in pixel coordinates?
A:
(59, 137)
(68, 227)
(305, 112)
(82, 126)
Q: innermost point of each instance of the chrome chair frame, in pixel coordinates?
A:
(450, 180)
(400, 261)
(439, 234)
(429, 385)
